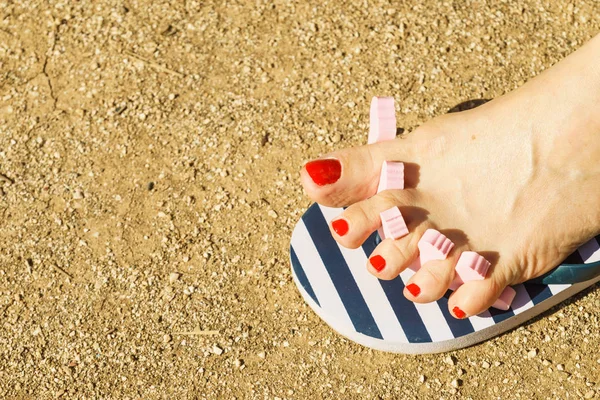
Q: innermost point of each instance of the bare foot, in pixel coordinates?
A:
(516, 180)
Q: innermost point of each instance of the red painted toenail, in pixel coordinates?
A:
(377, 262)
(340, 226)
(414, 289)
(324, 172)
(459, 313)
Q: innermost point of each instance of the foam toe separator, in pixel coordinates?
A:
(434, 246)
(506, 298)
(382, 120)
(393, 224)
(392, 176)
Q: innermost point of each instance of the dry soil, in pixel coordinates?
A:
(150, 151)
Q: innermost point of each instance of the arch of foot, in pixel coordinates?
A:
(433, 245)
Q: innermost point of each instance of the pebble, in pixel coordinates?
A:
(238, 363)
(485, 364)
(174, 276)
(167, 338)
(589, 394)
(261, 354)
(532, 353)
(422, 378)
(272, 214)
(78, 194)
(217, 350)
(456, 383)
(450, 360)
(560, 367)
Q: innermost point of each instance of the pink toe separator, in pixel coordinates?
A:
(471, 267)
(505, 299)
(392, 176)
(393, 224)
(382, 120)
(432, 246)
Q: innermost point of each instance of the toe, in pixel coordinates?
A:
(435, 276)
(391, 257)
(351, 175)
(361, 219)
(474, 297)
(431, 281)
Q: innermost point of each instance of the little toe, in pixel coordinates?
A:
(474, 297)
(350, 175)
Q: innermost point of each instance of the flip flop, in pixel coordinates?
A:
(334, 280)
(335, 283)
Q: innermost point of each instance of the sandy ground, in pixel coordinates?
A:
(149, 153)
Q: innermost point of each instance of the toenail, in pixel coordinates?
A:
(377, 262)
(459, 313)
(324, 172)
(340, 226)
(414, 289)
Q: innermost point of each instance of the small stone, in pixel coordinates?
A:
(167, 338)
(456, 383)
(272, 214)
(261, 354)
(450, 360)
(485, 364)
(545, 363)
(189, 290)
(560, 367)
(589, 394)
(78, 194)
(217, 350)
(174, 276)
(238, 363)
(497, 363)
(532, 353)
(422, 378)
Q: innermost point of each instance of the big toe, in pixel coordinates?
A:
(347, 176)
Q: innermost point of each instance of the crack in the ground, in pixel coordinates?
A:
(45, 66)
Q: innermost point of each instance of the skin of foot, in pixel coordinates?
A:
(516, 180)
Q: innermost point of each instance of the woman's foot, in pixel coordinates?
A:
(516, 180)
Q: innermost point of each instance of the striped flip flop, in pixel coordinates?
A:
(334, 281)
